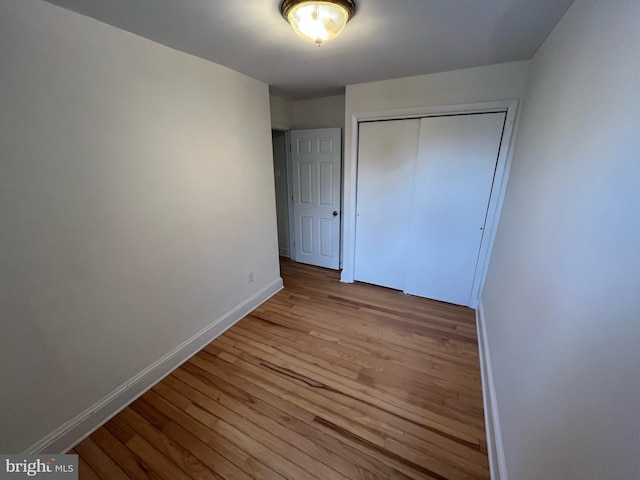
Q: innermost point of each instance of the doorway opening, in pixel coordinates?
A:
(280, 173)
(307, 168)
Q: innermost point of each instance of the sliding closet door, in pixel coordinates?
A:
(457, 157)
(386, 166)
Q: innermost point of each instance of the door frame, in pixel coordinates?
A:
(289, 183)
(292, 232)
(496, 200)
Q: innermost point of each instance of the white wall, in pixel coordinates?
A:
(136, 192)
(327, 112)
(482, 84)
(281, 113)
(562, 298)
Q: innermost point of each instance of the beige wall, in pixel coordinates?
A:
(137, 193)
(327, 112)
(281, 113)
(562, 297)
(480, 84)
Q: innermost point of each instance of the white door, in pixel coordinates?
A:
(456, 163)
(316, 171)
(422, 196)
(386, 167)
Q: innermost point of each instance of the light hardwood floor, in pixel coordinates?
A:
(324, 381)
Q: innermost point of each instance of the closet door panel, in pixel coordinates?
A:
(387, 153)
(453, 179)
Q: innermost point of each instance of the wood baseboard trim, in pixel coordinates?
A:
(78, 428)
(495, 447)
(284, 252)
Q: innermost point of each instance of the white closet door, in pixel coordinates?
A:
(454, 175)
(386, 166)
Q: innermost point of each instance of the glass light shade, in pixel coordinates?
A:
(318, 21)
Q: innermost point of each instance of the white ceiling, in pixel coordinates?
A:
(385, 39)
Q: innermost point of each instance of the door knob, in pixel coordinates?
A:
(335, 213)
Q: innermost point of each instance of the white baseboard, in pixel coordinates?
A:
(77, 429)
(284, 252)
(495, 447)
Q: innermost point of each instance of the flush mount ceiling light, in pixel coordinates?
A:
(318, 21)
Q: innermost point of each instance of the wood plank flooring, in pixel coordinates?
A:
(324, 381)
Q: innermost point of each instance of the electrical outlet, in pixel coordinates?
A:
(251, 277)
